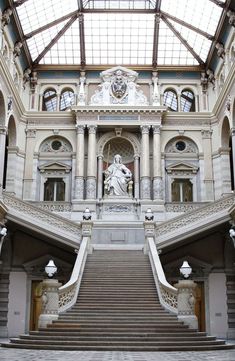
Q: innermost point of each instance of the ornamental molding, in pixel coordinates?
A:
(112, 135)
(187, 220)
(53, 167)
(119, 86)
(42, 220)
(178, 168)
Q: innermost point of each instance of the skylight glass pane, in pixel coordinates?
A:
(38, 42)
(34, 13)
(119, 4)
(171, 51)
(125, 38)
(199, 43)
(200, 13)
(67, 48)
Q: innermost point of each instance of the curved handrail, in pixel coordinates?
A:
(167, 293)
(69, 291)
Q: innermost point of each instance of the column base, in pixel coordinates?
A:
(79, 188)
(157, 188)
(190, 320)
(145, 189)
(45, 320)
(91, 188)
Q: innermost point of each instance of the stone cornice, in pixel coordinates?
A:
(148, 109)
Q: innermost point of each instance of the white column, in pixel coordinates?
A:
(91, 164)
(79, 172)
(233, 155)
(100, 176)
(208, 171)
(3, 132)
(145, 163)
(28, 169)
(136, 176)
(157, 172)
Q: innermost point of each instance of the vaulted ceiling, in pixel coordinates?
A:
(126, 32)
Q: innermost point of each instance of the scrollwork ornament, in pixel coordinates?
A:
(158, 188)
(145, 188)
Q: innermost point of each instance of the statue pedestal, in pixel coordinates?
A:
(117, 208)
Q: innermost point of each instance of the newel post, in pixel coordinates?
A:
(87, 225)
(149, 229)
(186, 302)
(50, 302)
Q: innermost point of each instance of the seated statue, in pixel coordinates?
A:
(117, 177)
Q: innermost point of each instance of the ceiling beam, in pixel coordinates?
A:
(189, 26)
(80, 5)
(19, 2)
(55, 39)
(49, 25)
(20, 32)
(183, 41)
(158, 5)
(218, 3)
(217, 33)
(82, 39)
(155, 39)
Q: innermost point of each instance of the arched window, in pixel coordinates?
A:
(187, 101)
(66, 99)
(170, 100)
(49, 100)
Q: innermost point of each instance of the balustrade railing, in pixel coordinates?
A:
(68, 293)
(167, 294)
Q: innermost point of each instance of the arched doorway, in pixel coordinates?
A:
(10, 169)
(226, 158)
(2, 140)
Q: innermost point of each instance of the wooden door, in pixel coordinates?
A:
(200, 306)
(36, 305)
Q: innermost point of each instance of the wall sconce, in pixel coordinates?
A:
(186, 269)
(50, 268)
(86, 215)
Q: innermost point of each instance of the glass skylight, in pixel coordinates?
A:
(118, 31)
(119, 38)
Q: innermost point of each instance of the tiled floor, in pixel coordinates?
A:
(38, 355)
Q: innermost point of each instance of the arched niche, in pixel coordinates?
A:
(2, 110)
(108, 137)
(11, 132)
(225, 133)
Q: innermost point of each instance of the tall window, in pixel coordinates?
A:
(66, 99)
(182, 190)
(170, 100)
(187, 101)
(54, 190)
(49, 100)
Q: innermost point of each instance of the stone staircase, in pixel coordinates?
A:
(4, 291)
(231, 305)
(118, 309)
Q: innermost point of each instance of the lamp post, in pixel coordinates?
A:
(50, 296)
(186, 299)
(3, 233)
(232, 235)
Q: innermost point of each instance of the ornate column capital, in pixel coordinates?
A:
(156, 129)
(136, 156)
(80, 128)
(206, 134)
(3, 130)
(232, 132)
(145, 129)
(30, 133)
(92, 129)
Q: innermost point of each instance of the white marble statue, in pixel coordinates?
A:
(117, 177)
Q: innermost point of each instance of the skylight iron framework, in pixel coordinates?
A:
(33, 19)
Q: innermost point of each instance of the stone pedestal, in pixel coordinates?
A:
(50, 302)
(149, 232)
(186, 303)
(87, 226)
